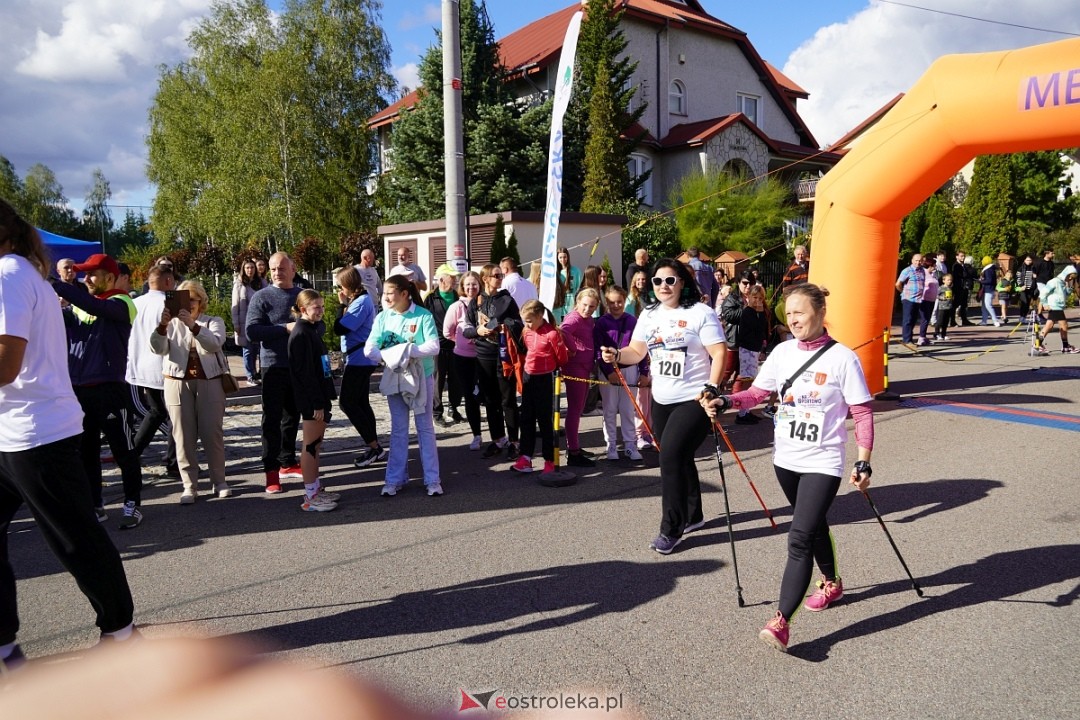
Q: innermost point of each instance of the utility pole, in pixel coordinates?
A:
(453, 137)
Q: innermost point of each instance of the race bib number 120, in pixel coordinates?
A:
(669, 363)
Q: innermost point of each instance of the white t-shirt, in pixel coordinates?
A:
(409, 270)
(144, 365)
(520, 289)
(677, 338)
(810, 431)
(39, 407)
(369, 278)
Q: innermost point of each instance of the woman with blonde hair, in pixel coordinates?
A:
(191, 343)
(465, 351)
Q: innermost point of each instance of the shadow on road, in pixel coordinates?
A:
(496, 607)
(992, 579)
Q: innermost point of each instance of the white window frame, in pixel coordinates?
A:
(740, 104)
(638, 165)
(677, 93)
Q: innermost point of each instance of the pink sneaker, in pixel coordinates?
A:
(549, 467)
(826, 594)
(775, 633)
(523, 464)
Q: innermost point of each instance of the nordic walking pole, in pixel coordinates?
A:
(637, 409)
(727, 515)
(716, 426)
(915, 585)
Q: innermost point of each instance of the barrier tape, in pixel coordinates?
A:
(921, 352)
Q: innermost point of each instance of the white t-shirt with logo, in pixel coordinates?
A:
(677, 337)
(39, 407)
(810, 431)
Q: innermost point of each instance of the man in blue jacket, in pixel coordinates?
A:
(98, 329)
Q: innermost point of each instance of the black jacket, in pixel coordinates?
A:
(501, 309)
(309, 367)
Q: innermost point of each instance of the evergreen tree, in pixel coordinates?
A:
(989, 211)
(96, 217)
(606, 180)
(720, 211)
(498, 241)
(1040, 179)
(600, 43)
(512, 248)
(504, 151)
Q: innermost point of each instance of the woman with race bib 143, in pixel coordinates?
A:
(686, 349)
(819, 382)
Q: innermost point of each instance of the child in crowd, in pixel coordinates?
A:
(313, 388)
(613, 329)
(1004, 294)
(945, 301)
(545, 352)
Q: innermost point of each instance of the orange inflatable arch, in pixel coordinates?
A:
(965, 105)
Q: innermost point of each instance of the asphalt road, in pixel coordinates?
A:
(505, 586)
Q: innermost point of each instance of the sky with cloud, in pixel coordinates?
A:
(80, 74)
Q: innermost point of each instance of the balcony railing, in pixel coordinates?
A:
(807, 190)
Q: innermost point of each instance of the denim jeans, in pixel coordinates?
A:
(397, 466)
(988, 314)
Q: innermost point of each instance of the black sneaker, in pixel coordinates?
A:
(172, 472)
(442, 421)
(579, 460)
(491, 450)
(512, 451)
(369, 456)
(456, 417)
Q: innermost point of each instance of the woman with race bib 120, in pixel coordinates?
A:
(819, 382)
(686, 349)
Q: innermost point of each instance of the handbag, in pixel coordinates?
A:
(228, 380)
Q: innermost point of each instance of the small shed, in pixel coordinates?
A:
(732, 261)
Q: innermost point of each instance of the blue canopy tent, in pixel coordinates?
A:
(65, 247)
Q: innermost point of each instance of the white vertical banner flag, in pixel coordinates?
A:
(549, 266)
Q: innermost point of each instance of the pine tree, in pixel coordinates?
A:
(505, 152)
(989, 211)
(606, 181)
(512, 248)
(498, 241)
(600, 42)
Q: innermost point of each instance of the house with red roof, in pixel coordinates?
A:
(713, 102)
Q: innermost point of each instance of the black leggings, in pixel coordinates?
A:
(500, 396)
(465, 370)
(810, 495)
(680, 429)
(537, 400)
(355, 400)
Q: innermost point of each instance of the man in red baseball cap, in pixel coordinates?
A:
(98, 330)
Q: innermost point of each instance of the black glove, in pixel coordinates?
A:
(863, 466)
(710, 391)
(725, 403)
(525, 378)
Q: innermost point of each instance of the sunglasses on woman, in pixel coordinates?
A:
(666, 280)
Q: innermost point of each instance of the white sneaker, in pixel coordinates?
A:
(632, 453)
(187, 498)
(317, 503)
(434, 489)
(612, 452)
(477, 441)
(224, 491)
(389, 490)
